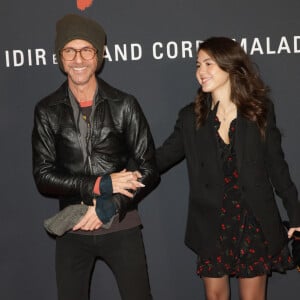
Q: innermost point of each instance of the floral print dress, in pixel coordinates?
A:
(243, 250)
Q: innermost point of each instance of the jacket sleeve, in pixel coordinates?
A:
(49, 179)
(278, 170)
(171, 151)
(141, 152)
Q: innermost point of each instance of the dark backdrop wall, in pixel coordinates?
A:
(151, 54)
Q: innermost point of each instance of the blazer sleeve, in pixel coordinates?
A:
(279, 171)
(172, 151)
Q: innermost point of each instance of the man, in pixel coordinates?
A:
(84, 135)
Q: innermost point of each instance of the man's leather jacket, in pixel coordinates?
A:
(119, 132)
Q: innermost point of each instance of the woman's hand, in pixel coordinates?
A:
(291, 232)
(124, 181)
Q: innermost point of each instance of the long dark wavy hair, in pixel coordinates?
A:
(248, 91)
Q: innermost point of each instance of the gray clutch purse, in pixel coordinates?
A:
(66, 219)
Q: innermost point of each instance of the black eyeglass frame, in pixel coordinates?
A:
(61, 52)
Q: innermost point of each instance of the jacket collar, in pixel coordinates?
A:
(105, 91)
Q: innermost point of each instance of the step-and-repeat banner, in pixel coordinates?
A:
(150, 53)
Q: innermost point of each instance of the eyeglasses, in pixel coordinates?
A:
(86, 53)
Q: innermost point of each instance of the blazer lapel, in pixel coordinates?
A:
(241, 133)
(206, 140)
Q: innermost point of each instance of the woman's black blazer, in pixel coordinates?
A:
(262, 170)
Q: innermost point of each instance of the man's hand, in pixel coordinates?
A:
(124, 181)
(90, 220)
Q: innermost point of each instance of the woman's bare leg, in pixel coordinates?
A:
(253, 288)
(216, 288)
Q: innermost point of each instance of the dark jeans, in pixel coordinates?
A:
(123, 252)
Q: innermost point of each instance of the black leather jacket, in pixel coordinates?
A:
(119, 132)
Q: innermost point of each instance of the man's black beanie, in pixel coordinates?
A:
(72, 27)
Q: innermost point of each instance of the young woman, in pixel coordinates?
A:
(234, 157)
